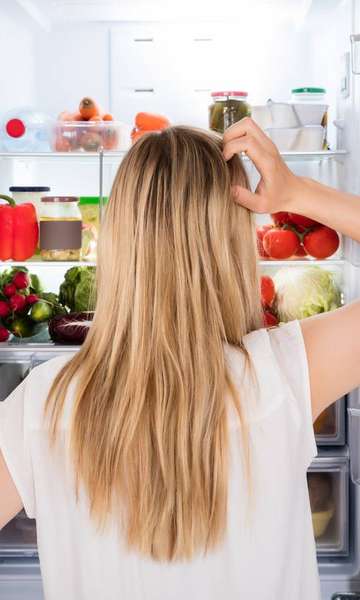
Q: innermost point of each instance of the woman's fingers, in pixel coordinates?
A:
(252, 201)
(259, 155)
(248, 127)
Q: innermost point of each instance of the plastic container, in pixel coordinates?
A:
(60, 228)
(311, 139)
(283, 115)
(261, 114)
(310, 106)
(328, 483)
(25, 130)
(284, 138)
(86, 136)
(227, 108)
(33, 194)
(90, 212)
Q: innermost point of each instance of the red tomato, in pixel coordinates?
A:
(260, 232)
(302, 222)
(322, 242)
(269, 319)
(267, 290)
(301, 252)
(281, 243)
(280, 218)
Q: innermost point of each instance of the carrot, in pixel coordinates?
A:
(136, 134)
(88, 108)
(77, 117)
(151, 122)
(65, 116)
(96, 118)
(107, 117)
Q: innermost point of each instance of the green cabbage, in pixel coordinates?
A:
(305, 291)
(77, 291)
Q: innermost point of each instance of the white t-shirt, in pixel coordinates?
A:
(269, 549)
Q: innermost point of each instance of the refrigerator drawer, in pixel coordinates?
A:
(18, 538)
(328, 481)
(329, 427)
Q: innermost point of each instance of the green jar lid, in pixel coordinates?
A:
(309, 90)
(92, 200)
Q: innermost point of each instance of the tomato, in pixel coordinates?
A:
(260, 232)
(301, 252)
(269, 319)
(281, 243)
(301, 222)
(321, 242)
(280, 218)
(267, 290)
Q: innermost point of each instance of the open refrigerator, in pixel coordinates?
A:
(167, 59)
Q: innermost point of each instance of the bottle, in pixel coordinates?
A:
(25, 130)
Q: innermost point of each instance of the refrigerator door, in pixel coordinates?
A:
(329, 427)
(329, 499)
(18, 538)
(20, 580)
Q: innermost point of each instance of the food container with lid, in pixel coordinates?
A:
(87, 136)
(33, 194)
(310, 105)
(90, 212)
(227, 108)
(60, 228)
(283, 115)
(285, 138)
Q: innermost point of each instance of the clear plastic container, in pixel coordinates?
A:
(329, 500)
(60, 228)
(311, 107)
(227, 108)
(25, 130)
(87, 136)
(90, 212)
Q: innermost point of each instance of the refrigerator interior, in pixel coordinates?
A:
(138, 56)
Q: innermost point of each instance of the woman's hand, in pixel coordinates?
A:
(278, 187)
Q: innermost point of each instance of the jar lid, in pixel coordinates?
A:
(29, 188)
(309, 90)
(91, 200)
(60, 199)
(224, 94)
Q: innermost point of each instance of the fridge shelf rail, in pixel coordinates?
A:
(32, 354)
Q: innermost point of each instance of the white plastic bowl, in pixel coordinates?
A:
(311, 139)
(310, 114)
(285, 138)
(262, 116)
(283, 115)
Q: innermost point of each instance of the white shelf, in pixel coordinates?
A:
(25, 352)
(329, 262)
(115, 155)
(35, 264)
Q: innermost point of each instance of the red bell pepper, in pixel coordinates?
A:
(19, 230)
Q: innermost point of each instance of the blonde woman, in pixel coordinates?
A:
(167, 459)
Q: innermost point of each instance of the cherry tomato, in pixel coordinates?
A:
(267, 290)
(269, 319)
(302, 222)
(281, 243)
(260, 232)
(280, 218)
(321, 242)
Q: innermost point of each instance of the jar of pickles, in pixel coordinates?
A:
(227, 108)
(60, 228)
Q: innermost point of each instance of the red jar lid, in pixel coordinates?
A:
(224, 94)
(15, 128)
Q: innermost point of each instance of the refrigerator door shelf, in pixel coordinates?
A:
(330, 425)
(329, 498)
(32, 354)
(18, 538)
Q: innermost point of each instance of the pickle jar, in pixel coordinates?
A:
(60, 228)
(227, 108)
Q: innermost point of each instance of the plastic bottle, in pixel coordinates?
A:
(25, 130)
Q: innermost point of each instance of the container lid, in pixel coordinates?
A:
(29, 188)
(224, 94)
(91, 200)
(309, 90)
(60, 199)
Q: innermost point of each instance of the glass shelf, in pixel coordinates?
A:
(35, 264)
(32, 354)
(329, 262)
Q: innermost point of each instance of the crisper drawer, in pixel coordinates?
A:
(328, 481)
(329, 427)
(18, 538)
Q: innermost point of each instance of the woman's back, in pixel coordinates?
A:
(268, 550)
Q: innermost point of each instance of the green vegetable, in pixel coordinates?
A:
(53, 300)
(23, 327)
(35, 284)
(77, 292)
(41, 311)
(305, 291)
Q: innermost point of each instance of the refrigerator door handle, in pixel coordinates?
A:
(355, 53)
(354, 444)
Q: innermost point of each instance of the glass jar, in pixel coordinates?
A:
(227, 108)
(60, 228)
(33, 194)
(90, 212)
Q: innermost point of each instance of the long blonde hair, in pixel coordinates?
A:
(176, 279)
